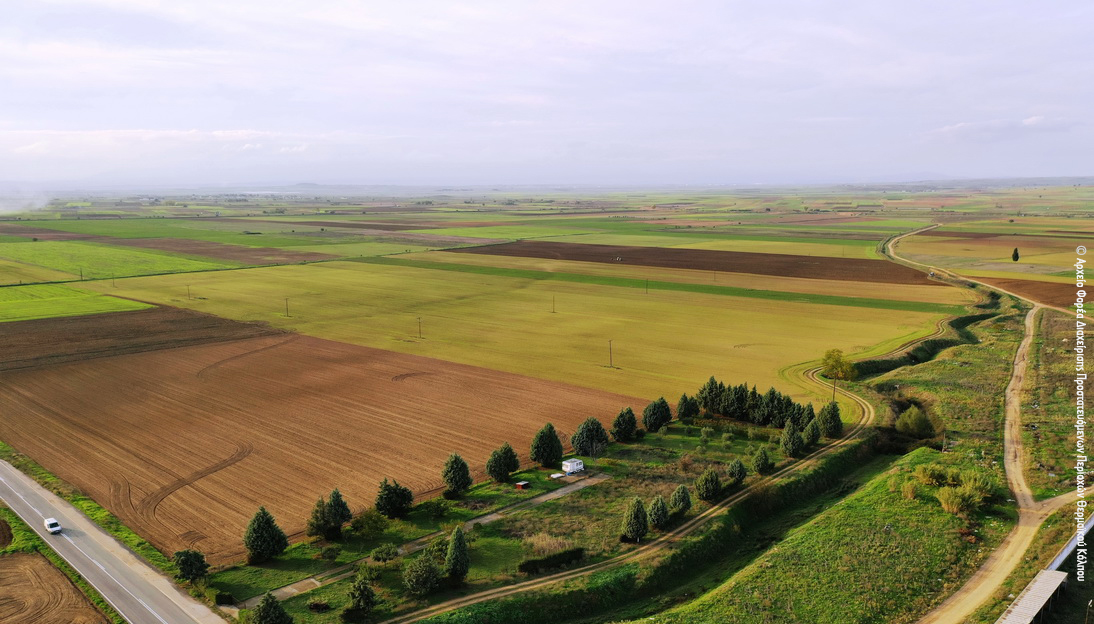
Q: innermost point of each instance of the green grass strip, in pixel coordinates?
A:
(27, 541)
(710, 289)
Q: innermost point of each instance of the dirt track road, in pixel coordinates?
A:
(983, 584)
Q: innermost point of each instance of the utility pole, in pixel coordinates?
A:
(647, 285)
(112, 282)
(81, 274)
(419, 327)
(287, 307)
(188, 292)
(552, 305)
(610, 364)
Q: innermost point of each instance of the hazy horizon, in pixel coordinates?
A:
(140, 93)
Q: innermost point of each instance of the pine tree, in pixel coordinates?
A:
(320, 522)
(761, 462)
(736, 472)
(393, 500)
(546, 447)
(191, 564)
(512, 462)
(1014, 256)
(625, 426)
(496, 467)
(831, 425)
(708, 486)
(687, 407)
(659, 512)
(656, 415)
(635, 522)
(709, 396)
(362, 598)
(811, 434)
(791, 441)
(456, 561)
(339, 510)
(456, 475)
(680, 501)
(270, 611)
(263, 539)
(590, 438)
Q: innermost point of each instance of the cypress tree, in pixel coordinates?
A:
(635, 522)
(456, 475)
(320, 522)
(339, 510)
(270, 611)
(393, 500)
(656, 415)
(687, 407)
(546, 447)
(709, 395)
(680, 501)
(625, 426)
(708, 486)
(1014, 256)
(811, 434)
(831, 425)
(497, 467)
(761, 462)
(512, 462)
(736, 471)
(659, 512)
(362, 598)
(263, 539)
(791, 442)
(456, 561)
(590, 438)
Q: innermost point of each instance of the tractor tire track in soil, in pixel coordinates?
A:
(35, 592)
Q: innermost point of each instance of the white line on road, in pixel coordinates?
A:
(24, 500)
(77, 546)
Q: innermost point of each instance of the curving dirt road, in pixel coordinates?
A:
(983, 584)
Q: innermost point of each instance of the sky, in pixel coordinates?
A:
(514, 92)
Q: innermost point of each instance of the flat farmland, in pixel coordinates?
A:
(94, 260)
(20, 303)
(842, 288)
(663, 342)
(852, 269)
(35, 592)
(185, 444)
(22, 273)
(1038, 254)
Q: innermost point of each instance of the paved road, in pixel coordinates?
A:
(140, 593)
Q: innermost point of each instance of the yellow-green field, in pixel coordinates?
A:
(662, 342)
(1038, 255)
(24, 303)
(12, 272)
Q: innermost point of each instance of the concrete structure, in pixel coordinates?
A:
(1036, 599)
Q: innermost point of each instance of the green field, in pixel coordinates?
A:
(876, 557)
(22, 273)
(95, 261)
(24, 303)
(507, 323)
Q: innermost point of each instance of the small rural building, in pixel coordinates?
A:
(570, 466)
(523, 485)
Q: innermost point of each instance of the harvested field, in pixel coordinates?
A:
(1061, 295)
(5, 534)
(850, 269)
(184, 445)
(53, 341)
(242, 254)
(35, 592)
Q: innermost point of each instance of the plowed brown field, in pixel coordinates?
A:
(32, 591)
(816, 267)
(1055, 294)
(185, 444)
(53, 341)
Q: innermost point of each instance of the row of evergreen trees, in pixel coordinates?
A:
(770, 409)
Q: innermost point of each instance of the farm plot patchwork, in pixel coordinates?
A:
(183, 445)
(22, 273)
(95, 261)
(507, 323)
(853, 269)
(34, 592)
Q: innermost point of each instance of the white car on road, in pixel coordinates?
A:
(53, 526)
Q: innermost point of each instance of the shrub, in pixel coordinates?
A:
(384, 553)
(394, 500)
(978, 482)
(421, 575)
(330, 553)
(909, 489)
(957, 500)
(761, 462)
(913, 422)
(369, 524)
(680, 502)
(318, 606)
(219, 596)
(434, 508)
(565, 557)
(736, 472)
(367, 572)
(930, 474)
(543, 544)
